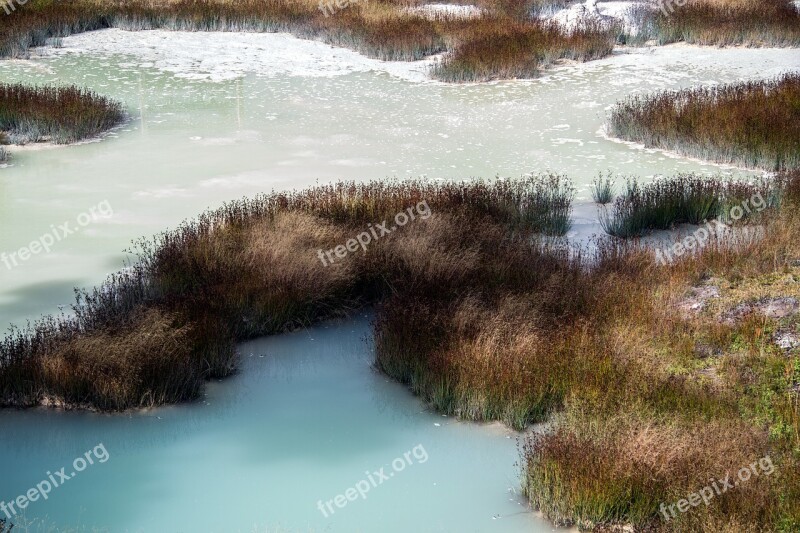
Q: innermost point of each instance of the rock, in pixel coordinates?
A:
(771, 308)
(696, 300)
(781, 307)
(732, 316)
(786, 340)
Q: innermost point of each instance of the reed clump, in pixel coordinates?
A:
(752, 124)
(728, 23)
(145, 359)
(603, 189)
(501, 50)
(622, 470)
(687, 199)
(33, 23)
(57, 114)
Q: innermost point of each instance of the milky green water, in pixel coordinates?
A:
(304, 422)
(192, 144)
(305, 419)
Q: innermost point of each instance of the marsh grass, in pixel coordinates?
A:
(729, 23)
(621, 447)
(57, 114)
(688, 199)
(509, 41)
(482, 317)
(623, 470)
(541, 204)
(501, 50)
(603, 189)
(504, 43)
(753, 124)
(39, 20)
(247, 269)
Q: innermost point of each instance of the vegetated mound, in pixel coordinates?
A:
(686, 413)
(754, 124)
(485, 316)
(727, 22)
(57, 114)
(256, 267)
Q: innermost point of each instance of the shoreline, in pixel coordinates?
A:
(119, 41)
(622, 394)
(634, 145)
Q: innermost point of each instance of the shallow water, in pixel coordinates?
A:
(305, 419)
(215, 117)
(198, 138)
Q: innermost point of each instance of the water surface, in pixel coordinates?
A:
(305, 419)
(219, 116)
(215, 117)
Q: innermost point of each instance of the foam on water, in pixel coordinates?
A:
(220, 56)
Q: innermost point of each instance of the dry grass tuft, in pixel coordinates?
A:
(754, 124)
(730, 23)
(57, 114)
(593, 474)
(502, 50)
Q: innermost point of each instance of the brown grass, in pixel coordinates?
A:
(622, 469)
(731, 22)
(252, 268)
(500, 49)
(484, 318)
(58, 114)
(505, 43)
(754, 124)
(673, 415)
(146, 360)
